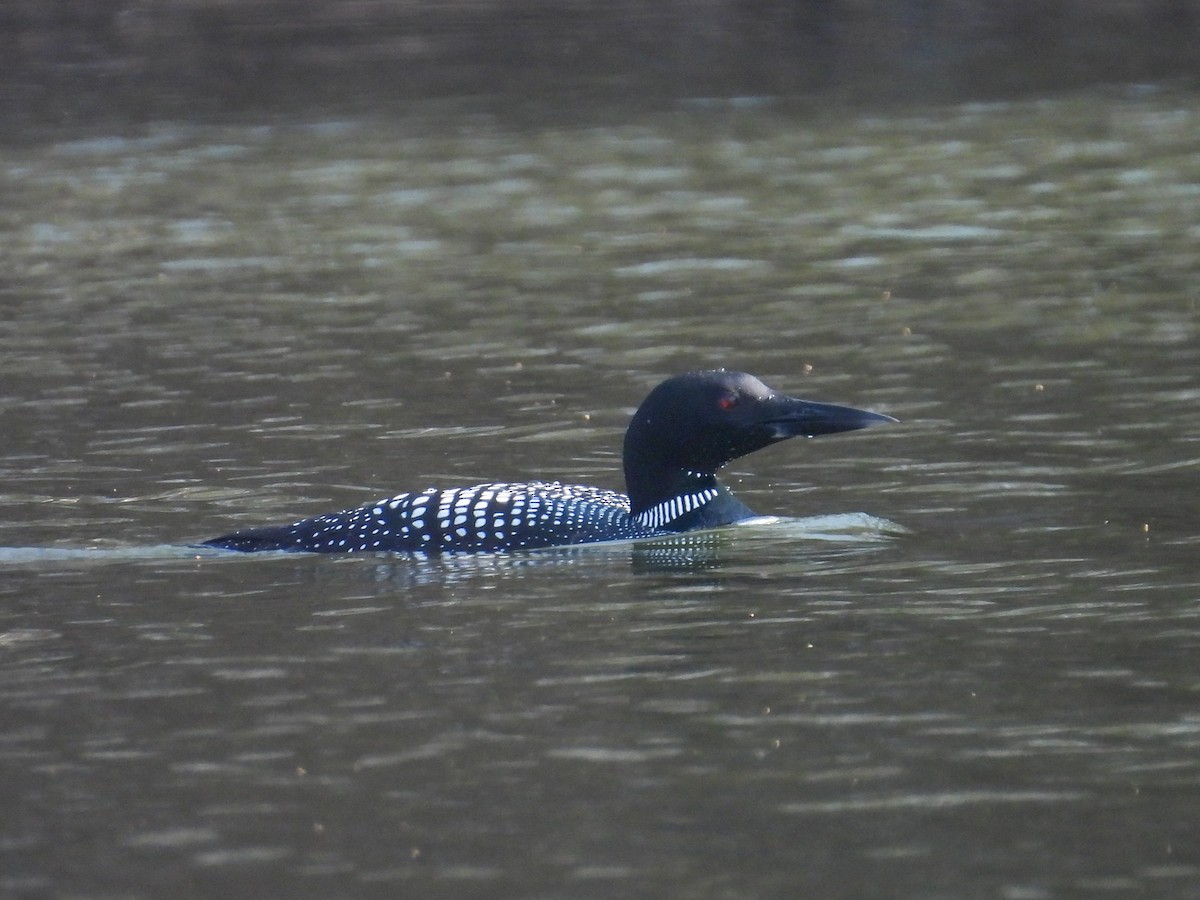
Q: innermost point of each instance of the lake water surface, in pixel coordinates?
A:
(209, 327)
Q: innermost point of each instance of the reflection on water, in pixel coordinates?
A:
(206, 328)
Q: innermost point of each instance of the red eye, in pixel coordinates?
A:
(727, 401)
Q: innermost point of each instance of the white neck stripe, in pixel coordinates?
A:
(670, 510)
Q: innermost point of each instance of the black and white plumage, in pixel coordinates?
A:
(684, 431)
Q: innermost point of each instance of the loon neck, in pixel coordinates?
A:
(680, 500)
(650, 486)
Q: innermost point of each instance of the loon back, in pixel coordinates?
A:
(684, 431)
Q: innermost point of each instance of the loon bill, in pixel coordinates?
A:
(684, 431)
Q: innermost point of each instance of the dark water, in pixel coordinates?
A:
(212, 327)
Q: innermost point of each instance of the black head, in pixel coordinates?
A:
(698, 422)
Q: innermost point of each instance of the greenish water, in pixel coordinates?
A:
(211, 327)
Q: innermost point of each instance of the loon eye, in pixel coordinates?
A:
(727, 401)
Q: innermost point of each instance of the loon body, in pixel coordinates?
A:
(684, 431)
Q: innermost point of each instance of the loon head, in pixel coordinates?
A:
(693, 424)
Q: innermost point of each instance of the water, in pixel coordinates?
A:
(218, 326)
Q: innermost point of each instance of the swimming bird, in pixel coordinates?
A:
(685, 430)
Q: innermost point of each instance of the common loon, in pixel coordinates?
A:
(684, 431)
